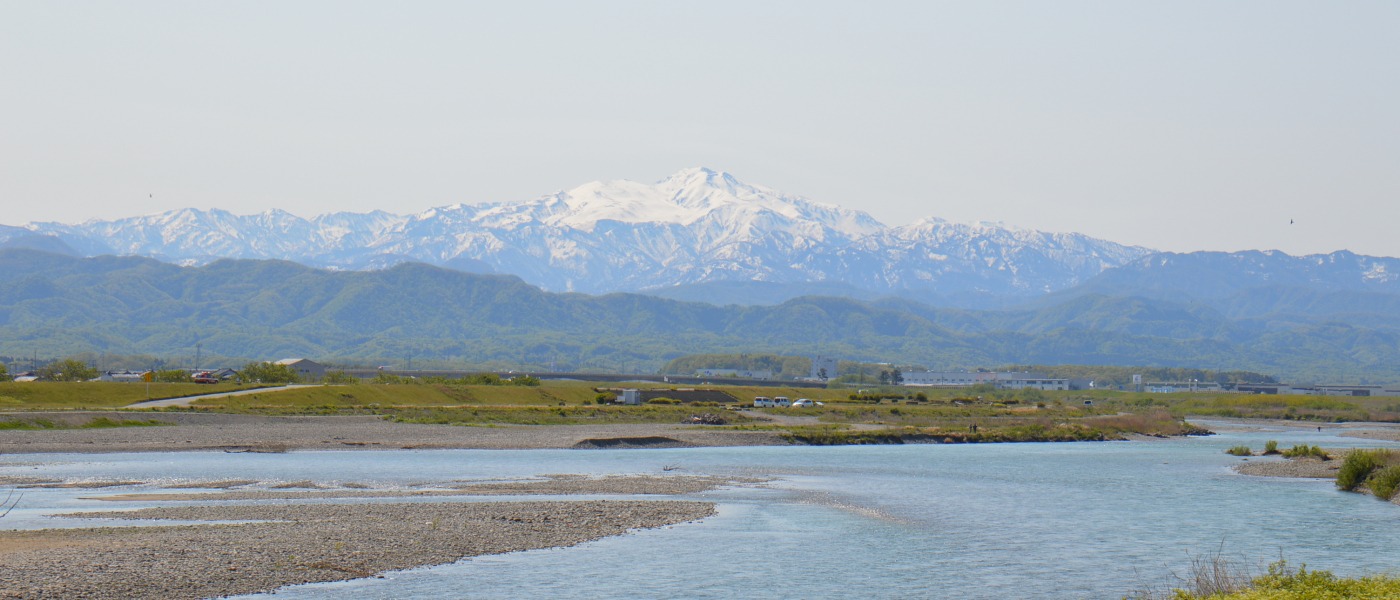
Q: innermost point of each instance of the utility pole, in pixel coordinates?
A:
(197, 348)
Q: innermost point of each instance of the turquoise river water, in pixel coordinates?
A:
(1079, 520)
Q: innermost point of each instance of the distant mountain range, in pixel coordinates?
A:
(686, 236)
(1209, 315)
(737, 268)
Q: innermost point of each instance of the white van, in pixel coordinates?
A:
(762, 402)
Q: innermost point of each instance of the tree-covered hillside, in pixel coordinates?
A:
(54, 305)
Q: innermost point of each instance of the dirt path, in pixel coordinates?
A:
(186, 400)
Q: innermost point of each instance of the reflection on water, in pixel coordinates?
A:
(1096, 520)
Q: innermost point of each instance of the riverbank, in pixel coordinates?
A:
(256, 433)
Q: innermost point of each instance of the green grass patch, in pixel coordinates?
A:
(52, 395)
(106, 423)
(28, 425)
(22, 424)
(1240, 451)
(1263, 406)
(367, 398)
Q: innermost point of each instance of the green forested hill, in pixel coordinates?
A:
(56, 305)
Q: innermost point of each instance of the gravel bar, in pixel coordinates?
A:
(554, 485)
(1291, 467)
(292, 544)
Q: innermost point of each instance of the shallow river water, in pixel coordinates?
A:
(1080, 520)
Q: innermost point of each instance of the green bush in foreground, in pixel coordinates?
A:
(1270, 447)
(1240, 451)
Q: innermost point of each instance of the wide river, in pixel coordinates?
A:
(1080, 520)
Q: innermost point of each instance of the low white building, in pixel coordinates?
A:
(946, 378)
(126, 376)
(1024, 382)
(1004, 381)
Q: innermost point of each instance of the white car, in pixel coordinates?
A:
(804, 403)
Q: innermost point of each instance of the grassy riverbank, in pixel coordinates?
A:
(846, 416)
(889, 415)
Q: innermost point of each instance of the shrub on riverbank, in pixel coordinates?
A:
(1304, 451)
(1383, 483)
(1240, 451)
(1358, 466)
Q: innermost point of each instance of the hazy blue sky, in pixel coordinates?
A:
(1174, 125)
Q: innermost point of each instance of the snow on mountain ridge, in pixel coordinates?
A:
(695, 226)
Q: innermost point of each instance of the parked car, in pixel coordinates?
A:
(803, 403)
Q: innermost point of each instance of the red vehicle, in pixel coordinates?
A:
(205, 377)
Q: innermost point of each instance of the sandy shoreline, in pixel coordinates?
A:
(226, 432)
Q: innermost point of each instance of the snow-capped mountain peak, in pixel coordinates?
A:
(685, 198)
